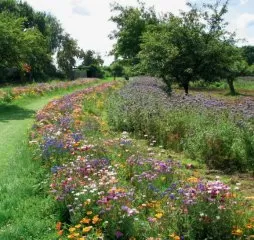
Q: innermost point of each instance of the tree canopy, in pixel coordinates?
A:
(192, 46)
(131, 23)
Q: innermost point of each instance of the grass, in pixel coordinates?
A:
(25, 211)
(244, 87)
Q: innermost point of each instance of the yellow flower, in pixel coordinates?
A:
(237, 232)
(89, 213)
(72, 229)
(192, 180)
(174, 236)
(250, 198)
(87, 229)
(78, 226)
(87, 202)
(158, 215)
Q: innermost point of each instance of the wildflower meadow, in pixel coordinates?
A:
(111, 174)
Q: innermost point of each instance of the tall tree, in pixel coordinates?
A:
(67, 55)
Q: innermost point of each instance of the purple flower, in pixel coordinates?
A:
(118, 234)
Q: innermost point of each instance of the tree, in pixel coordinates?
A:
(92, 62)
(131, 23)
(37, 33)
(117, 69)
(66, 56)
(90, 58)
(190, 47)
(248, 54)
(19, 47)
(230, 64)
(174, 49)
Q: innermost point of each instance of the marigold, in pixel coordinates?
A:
(95, 219)
(85, 220)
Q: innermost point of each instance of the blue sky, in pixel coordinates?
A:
(87, 21)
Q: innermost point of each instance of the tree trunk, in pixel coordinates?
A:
(231, 86)
(186, 87)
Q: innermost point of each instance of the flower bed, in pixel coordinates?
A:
(110, 186)
(40, 89)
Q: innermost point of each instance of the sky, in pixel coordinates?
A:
(87, 21)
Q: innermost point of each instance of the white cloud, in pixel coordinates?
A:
(88, 21)
(242, 23)
(79, 7)
(244, 1)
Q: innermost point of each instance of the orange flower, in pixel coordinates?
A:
(58, 226)
(249, 226)
(85, 220)
(60, 233)
(95, 219)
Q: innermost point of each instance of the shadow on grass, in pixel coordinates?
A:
(13, 112)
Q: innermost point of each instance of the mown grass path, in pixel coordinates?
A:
(26, 212)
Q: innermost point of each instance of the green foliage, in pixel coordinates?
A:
(131, 23)
(192, 46)
(92, 63)
(66, 56)
(19, 47)
(117, 69)
(248, 53)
